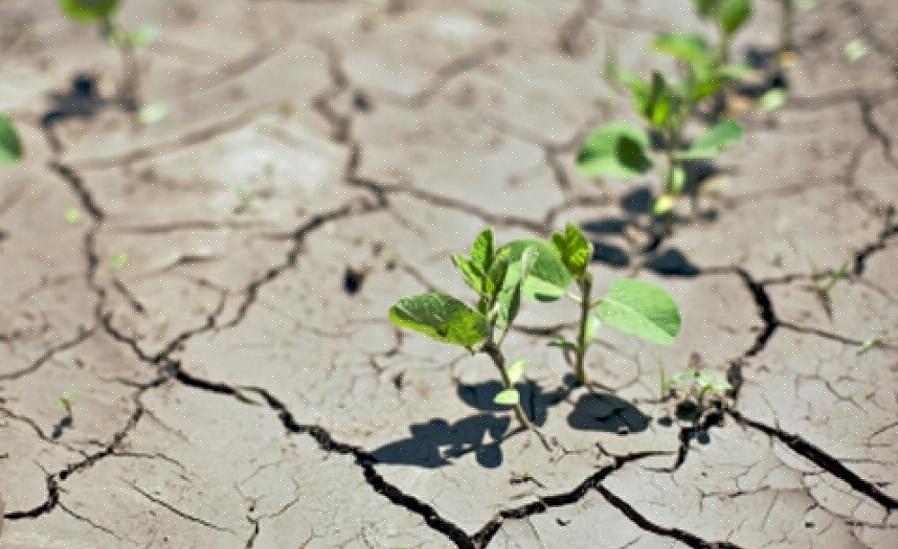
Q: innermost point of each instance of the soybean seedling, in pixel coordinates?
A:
(728, 16)
(104, 14)
(822, 283)
(497, 275)
(631, 306)
(10, 144)
(622, 150)
(694, 389)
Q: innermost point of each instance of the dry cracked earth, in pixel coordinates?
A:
(210, 292)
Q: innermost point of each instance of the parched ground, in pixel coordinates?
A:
(217, 306)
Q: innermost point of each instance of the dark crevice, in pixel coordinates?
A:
(888, 232)
(678, 534)
(77, 185)
(765, 310)
(822, 459)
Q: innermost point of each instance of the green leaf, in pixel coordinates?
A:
(510, 295)
(483, 249)
(706, 8)
(575, 250)
(143, 35)
(73, 216)
(713, 142)
(855, 50)
(663, 204)
(495, 277)
(471, 275)
(515, 370)
(683, 46)
(548, 279)
(677, 180)
(508, 397)
(562, 343)
(732, 14)
(618, 150)
(640, 309)
(773, 99)
(119, 261)
(870, 344)
(10, 145)
(441, 317)
(88, 11)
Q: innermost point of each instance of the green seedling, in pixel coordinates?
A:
(119, 261)
(773, 99)
(66, 401)
(535, 270)
(633, 307)
(104, 14)
(622, 150)
(855, 50)
(822, 283)
(10, 144)
(693, 389)
(497, 275)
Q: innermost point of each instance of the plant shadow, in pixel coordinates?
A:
(82, 100)
(608, 413)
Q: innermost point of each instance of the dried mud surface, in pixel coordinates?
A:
(236, 381)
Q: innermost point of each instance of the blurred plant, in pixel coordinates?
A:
(10, 144)
(855, 50)
(104, 14)
(822, 283)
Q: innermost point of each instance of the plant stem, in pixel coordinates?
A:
(787, 43)
(492, 350)
(585, 284)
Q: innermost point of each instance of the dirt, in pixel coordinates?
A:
(214, 313)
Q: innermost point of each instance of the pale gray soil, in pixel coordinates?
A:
(233, 389)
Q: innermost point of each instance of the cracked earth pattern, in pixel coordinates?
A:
(237, 383)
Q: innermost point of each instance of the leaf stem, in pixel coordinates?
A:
(585, 284)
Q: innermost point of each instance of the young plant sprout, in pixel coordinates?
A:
(631, 306)
(728, 16)
(822, 283)
(622, 150)
(497, 276)
(103, 13)
(694, 389)
(10, 144)
(540, 271)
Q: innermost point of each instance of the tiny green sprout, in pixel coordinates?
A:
(871, 343)
(854, 50)
(693, 388)
(66, 400)
(103, 14)
(632, 307)
(119, 261)
(774, 99)
(73, 216)
(10, 144)
(824, 281)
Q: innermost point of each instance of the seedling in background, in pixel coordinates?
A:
(855, 50)
(119, 262)
(728, 16)
(10, 144)
(633, 307)
(622, 150)
(824, 282)
(73, 216)
(694, 389)
(104, 14)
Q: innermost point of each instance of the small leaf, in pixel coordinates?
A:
(441, 317)
(515, 370)
(677, 180)
(508, 397)
(152, 113)
(495, 278)
(592, 326)
(713, 142)
(640, 309)
(482, 250)
(548, 278)
(88, 11)
(663, 204)
(510, 295)
(869, 344)
(73, 216)
(618, 150)
(471, 275)
(773, 99)
(119, 261)
(732, 14)
(683, 46)
(855, 50)
(10, 145)
(574, 249)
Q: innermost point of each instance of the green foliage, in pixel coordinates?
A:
(88, 11)
(618, 150)
(687, 47)
(549, 278)
(695, 380)
(640, 309)
(575, 250)
(508, 397)
(773, 99)
(441, 317)
(515, 370)
(710, 144)
(10, 144)
(855, 50)
(728, 15)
